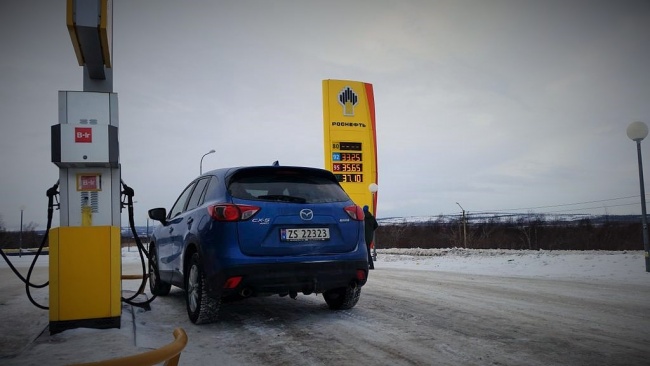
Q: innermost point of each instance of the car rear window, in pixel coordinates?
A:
(286, 185)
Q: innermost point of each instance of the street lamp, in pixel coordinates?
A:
(373, 187)
(201, 165)
(20, 238)
(637, 131)
(464, 226)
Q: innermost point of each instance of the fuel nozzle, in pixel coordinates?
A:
(128, 193)
(52, 191)
(52, 195)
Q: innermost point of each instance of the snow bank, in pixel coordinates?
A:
(623, 266)
(620, 266)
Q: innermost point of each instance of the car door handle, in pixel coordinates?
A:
(171, 229)
(190, 220)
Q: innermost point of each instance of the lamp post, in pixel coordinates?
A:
(201, 165)
(373, 187)
(464, 226)
(637, 131)
(20, 238)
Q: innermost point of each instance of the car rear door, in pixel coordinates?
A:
(299, 214)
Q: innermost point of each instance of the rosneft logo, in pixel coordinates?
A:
(348, 99)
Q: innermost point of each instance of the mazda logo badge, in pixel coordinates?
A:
(306, 214)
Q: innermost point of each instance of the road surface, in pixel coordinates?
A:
(404, 317)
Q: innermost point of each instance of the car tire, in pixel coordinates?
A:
(201, 308)
(342, 298)
(156, 286)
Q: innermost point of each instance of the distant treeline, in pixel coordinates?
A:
(33, 239)
(516, 232)
(29, 238)
(532, 232)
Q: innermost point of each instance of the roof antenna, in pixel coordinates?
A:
(276, 163)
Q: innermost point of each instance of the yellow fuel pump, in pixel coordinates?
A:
(85, 257)
(85, 261)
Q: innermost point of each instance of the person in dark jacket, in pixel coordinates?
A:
(371, 225)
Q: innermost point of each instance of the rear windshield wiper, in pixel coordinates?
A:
(282, 197)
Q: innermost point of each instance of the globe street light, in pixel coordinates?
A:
(637, 131)
(201, 165)
(373, 188)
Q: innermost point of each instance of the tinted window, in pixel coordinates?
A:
(197, 194)
(306, 186)
(211, 192)
(180, 202)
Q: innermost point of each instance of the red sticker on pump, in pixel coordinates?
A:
(83, 134)
(88, 183)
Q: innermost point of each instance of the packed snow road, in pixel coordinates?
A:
(429, 311)
(409, 317)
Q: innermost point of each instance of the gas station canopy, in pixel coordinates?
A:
(89, 24)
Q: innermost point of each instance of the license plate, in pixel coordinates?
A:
(306, 234)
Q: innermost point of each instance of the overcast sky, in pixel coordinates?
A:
(495, 105)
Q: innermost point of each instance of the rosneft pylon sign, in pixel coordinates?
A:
(350, 138)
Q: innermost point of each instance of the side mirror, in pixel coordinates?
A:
(158, 214)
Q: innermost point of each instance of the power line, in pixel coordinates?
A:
(494, 215)
(596, 207)
(561, 205)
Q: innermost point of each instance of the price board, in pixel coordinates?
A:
(350, 138)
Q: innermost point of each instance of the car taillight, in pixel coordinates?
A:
(232, 282)
(232, 212)
(361, 274)
(355, 212)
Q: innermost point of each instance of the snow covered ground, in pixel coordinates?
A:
(18, 316)
(624, 266)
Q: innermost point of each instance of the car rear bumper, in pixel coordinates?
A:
(287, 278)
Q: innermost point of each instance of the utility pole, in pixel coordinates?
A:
(20, 239)
(637, 131)
(464, 226)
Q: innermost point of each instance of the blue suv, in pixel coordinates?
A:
(256, 231)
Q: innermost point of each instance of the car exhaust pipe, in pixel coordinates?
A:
(246, 292)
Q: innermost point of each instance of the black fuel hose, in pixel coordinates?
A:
(51, 195)
(128, 192)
